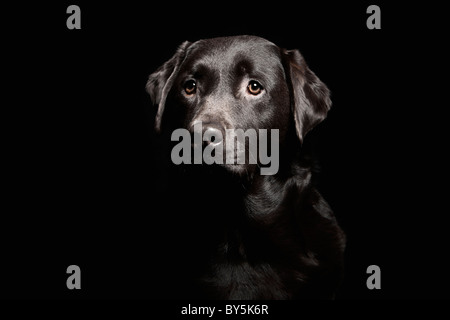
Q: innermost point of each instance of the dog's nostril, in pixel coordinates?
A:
(212, 135)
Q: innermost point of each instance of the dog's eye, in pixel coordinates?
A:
(254, 87)
(190, 87)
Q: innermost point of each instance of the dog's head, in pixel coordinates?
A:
(242, 82)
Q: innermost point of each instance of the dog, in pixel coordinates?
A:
(232, 232)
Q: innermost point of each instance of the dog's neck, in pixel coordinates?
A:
(211, 199)
(267, 193)
(224, 195)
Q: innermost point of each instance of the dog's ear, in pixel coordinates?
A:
(160, 82)
(310, 97)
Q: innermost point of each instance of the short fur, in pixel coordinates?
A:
(239, 234)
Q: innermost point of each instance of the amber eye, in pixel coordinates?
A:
(254, 87)
(190, 87)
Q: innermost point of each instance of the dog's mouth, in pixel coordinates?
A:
(237, 150)
(236, 157)
(223, 153)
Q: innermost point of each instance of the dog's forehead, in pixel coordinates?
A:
(226, 51)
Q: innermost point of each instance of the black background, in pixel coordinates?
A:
(82, 184)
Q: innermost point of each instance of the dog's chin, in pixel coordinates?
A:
(241, 170)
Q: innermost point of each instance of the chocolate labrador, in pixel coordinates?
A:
(233, 231)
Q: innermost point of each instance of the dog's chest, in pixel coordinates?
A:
(242, 281)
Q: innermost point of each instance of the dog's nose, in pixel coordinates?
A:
(212, 135)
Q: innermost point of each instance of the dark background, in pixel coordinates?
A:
(82, 182)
